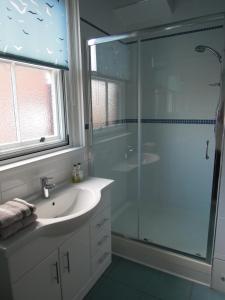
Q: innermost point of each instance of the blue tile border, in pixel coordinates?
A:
(157, 121)
(180, 121)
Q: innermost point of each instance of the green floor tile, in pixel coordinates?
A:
(115, 261)
(200, 292)
(144, 296)
(108, 289)
(134, 275)
(125, 280)
(170, 288)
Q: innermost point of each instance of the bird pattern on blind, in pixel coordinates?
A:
(35, 30)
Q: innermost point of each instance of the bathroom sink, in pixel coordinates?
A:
(66, 209)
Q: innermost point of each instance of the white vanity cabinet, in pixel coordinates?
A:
(75, 264)
(43, 282)
(59, 267)
(66, 271)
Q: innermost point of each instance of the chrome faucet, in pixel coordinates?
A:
(46, 186)
(130, 150)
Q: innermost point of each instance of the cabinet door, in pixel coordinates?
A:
(75, 263)
(43, 282)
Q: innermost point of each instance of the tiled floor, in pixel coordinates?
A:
(125, 280)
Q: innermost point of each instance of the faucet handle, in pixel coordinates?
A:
(45, 179)
(130, 148)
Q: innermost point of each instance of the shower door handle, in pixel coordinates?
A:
(207, 150)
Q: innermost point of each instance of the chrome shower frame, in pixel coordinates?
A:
(171, 261)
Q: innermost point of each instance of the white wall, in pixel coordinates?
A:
(23, 181)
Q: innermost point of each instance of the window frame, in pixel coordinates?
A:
(73, 94)
(25, 148)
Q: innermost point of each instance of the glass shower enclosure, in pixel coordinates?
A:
(155, 101)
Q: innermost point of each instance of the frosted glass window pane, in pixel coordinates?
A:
(7, 120)
(35, 102)
(113, 101)
(99, 103)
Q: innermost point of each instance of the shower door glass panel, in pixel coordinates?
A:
(114, 146)
(179, 102)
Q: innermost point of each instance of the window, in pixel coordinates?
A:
(31, 108)
(107, 98)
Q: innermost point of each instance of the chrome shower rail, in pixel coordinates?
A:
(158, 29)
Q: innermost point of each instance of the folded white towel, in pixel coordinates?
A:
(26, 211)
(31, 206)
(9, 215)
(17, 226)
(14, 210)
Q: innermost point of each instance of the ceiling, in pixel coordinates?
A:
(117, 4)
(142, 11)
(116, 16)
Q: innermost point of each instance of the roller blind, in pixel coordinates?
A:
(34, 31)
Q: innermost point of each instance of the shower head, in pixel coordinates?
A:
(203, 48)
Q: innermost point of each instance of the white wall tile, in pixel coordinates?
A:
(220, 241)
(19, 191)
(24, 181)
(218, 275)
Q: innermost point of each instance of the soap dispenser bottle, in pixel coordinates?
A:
(80, 172)
(75, 174)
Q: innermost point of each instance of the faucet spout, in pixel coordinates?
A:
(46, 186)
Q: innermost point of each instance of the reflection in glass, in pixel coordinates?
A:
(98, 103)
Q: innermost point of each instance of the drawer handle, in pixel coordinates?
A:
(103, 240)
(67, 256)
(99, 225)
(102, 259)
(56, 272)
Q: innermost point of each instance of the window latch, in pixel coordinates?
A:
(42, 139)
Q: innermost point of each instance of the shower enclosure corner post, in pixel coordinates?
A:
(89, 110)
(139, 99)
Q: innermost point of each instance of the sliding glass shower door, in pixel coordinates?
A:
(180, 95)
(154, 108)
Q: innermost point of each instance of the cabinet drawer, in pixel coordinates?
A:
(100, 222)
(102, 258)
(101, 239)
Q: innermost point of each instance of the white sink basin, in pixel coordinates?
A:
(64, 204)
(66, 208)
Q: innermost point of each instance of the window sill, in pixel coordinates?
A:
(32, 160)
